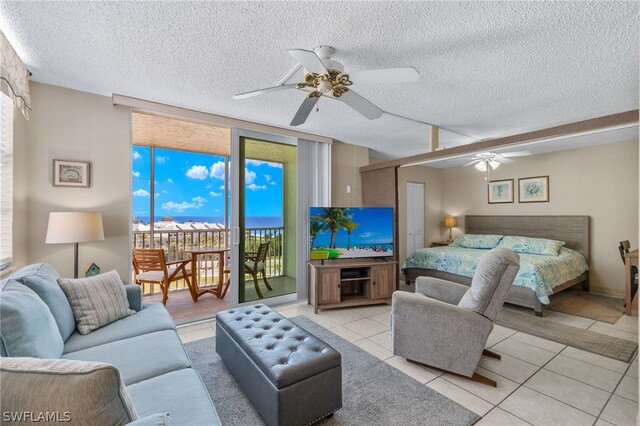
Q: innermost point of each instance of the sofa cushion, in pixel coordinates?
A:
(27, 328)
(79, 392)
(190, 406)
(153, 317)
(96, 301)
(43, 279)
(158, 419)
(141, 357)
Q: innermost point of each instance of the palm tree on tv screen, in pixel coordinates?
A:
(333, 219)
(349, 225)
(315, 227)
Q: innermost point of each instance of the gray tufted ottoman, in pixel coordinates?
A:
(291, 376)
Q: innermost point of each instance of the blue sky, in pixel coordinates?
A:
(375, 227)
(192, 184)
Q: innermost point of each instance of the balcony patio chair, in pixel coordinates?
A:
(227, 272)
(256, 262)
(150, 266)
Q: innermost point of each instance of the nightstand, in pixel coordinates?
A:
(439, 243)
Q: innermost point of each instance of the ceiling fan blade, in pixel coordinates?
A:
(515, 154)
(387, 75)
(309, 60)
(361, 105)
(305, 109)
(504, 160)
(263, 91)
(471, 163)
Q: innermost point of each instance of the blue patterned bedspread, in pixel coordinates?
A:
(537, 272)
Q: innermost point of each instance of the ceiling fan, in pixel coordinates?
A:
(326, 77)
(487, 161)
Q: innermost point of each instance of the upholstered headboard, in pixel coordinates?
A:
(573, 230)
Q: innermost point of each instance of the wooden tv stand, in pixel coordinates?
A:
(343, 283)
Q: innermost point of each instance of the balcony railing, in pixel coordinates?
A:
(176, 242)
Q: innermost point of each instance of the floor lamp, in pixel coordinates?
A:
(74, 227)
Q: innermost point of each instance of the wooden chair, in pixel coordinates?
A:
(623, 248)
(256, 262)
(150, 266)
(227, 272)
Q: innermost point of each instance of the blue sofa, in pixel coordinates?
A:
(144, 347)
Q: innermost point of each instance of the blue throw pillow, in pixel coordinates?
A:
(43, 280)
(27, 328)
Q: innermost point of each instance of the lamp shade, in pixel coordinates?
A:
(450, 221)
(74, 227)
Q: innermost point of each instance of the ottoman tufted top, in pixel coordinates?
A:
(284, 352)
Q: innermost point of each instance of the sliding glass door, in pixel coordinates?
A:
(264, 202)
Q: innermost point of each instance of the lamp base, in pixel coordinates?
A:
(450, 240)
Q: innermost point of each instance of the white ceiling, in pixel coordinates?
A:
(488, 69)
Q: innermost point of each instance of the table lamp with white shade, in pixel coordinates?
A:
(450, 222)
(74, 227)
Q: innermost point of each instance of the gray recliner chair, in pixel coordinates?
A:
(445, 325)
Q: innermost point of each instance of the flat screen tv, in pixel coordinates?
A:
(350, 232)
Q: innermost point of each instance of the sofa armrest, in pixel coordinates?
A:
(445, 291)
(134, 296)
(158, 419)
(437, 333)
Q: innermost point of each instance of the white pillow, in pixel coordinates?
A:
(96, 301)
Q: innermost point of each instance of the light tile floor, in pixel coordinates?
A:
(539, 382)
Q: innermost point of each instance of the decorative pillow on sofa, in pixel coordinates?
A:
(96, 301)
(81, 392)
(476, 241)
(27, 327)
(528, 245)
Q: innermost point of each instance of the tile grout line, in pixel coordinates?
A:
(612, 393)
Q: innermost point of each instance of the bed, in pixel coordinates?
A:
(457, 264)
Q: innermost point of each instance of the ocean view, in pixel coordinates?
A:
(250, 221)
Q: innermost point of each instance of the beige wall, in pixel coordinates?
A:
(71, 125)
(600, 181)
(432, 205)
(346, 161)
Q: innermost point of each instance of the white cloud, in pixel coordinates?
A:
(161, 159)
(141, 193)
(260, 163)
(170, 180)
(198, 172)
(367, 235)
(249, 176)
(164, 191)
(273, 183)
(267, 178)
(136, 155)
(178, 207)
(217, 170)
(255, 187)
(215, 194)
(222, 187)
(135, 174)
(156, 195)
(199, 201)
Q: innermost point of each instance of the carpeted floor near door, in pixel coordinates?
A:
(374, 393)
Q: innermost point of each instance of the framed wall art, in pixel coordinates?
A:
(500, 191)
(71, 173)
(533, 189)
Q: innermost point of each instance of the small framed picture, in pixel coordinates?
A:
(71, 173)
(93, 270)
(500, 191)
(533, 189)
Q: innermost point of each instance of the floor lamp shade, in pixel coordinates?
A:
(74, 227)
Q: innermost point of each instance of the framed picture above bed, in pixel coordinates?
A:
(533, 189)
(500, 191)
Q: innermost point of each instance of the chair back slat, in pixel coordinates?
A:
(261, 256)
(149, 260)
(624, 249)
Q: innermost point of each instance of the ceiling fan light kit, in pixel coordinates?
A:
(326, 77)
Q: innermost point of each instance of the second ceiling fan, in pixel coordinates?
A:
(326, 77)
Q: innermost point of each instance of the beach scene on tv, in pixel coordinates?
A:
(348, 232)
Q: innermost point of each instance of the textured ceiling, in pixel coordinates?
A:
(488, 69)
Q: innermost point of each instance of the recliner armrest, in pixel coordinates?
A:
(445, 291)
(134, 296)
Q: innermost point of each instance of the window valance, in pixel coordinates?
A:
(14, 77)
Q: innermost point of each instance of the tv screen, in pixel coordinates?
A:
(349, 232)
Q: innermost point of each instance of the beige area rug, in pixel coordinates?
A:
(590, 341)
(587, 305)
